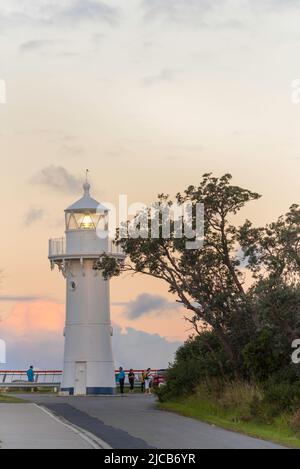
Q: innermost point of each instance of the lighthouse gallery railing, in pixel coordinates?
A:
(58, 247)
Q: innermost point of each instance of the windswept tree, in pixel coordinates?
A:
(273, 255)
(208, 281)
(273, 252)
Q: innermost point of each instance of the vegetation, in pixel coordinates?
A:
(241, 291)
(227, 414)
(5, 399)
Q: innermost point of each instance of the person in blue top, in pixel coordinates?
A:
(121, 379)
(30, 375)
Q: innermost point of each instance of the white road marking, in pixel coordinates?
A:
(93, 440)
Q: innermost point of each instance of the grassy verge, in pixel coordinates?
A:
(210, 412)
(6, 399)
(28, 390)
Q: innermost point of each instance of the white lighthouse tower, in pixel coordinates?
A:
(88, 359)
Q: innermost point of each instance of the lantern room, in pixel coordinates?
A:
(86, 225)
(86, 213)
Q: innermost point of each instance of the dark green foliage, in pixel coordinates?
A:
(243, 330)
(278, 398)
(265, 355)
(295, 422)
(200, 359)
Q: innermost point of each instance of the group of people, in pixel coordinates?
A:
(146, 380)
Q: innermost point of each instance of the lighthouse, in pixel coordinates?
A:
(88, 359)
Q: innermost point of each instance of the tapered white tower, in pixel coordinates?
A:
(88, 359)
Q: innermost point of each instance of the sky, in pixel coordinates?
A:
(149, 95)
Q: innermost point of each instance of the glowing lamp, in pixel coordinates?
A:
(87, 223)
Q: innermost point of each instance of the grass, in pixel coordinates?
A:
(234, 418)
(6, 399)
(37, 389)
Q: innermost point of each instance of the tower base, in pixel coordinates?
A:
(92, 391)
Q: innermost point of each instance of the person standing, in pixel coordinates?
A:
(131, 378)
(148, 381)
(143, 376)
(121, 379)
(30, 375)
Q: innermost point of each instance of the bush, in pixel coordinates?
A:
(266, 354)
(278, 399)
(259, 411)
(295, 422)
(283, 397)
(200, 360)
(182, 379)
(239, 395)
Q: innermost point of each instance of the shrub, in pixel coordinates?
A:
(278, 399)
(239, 395)
(198, 361)
(282, 397)
(265, 355)
(295, 422)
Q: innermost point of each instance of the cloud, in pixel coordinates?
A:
(276, 3)
(44, 352)
(34, 335)
(57, 178)
(87, 10)
(208, 13)
(71, 148)
(164, 76)
(139, 350)
(19, 298)
(32, 46)
(47, 13)
(145, 304)
(33, 318)
(178, 10)
(33, 215)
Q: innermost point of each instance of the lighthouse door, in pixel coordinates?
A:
(80, 379)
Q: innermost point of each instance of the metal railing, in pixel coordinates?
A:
(48, 377)
(58, 248)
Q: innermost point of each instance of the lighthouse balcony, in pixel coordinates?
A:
(61, 248)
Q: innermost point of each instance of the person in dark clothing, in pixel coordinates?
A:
(121, 379)
(131, 377)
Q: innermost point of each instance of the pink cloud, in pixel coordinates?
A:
(33, 333)
(42, 317)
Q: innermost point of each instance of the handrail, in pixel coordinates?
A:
(60, 371)
(36, 372)
(58, 248)
(10, 378)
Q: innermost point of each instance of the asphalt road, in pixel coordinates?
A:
(26, 426)
(133, 422)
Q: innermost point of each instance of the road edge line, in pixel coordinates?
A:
(93, 440)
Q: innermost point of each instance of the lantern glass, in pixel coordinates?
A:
(85, 221)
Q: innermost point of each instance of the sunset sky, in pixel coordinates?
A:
(149, 95)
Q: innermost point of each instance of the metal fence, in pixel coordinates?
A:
(40, 377)
(51, 377)
(57, 247)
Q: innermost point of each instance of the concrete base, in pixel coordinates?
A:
(91, 391)
(63, 393)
